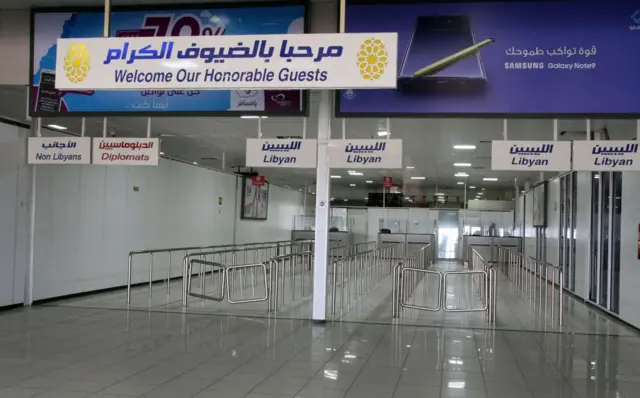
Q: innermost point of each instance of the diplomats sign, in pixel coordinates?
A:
(126, 151)
(59, 150)
(606, 156)
(281, 153)
(531, 155)
(294, 61)
(365, 154)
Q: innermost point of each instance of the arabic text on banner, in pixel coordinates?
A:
(301, 61)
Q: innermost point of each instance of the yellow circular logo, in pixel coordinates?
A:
(76, 63)
(372, 59)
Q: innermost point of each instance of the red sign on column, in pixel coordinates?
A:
(387, 182)
(257, 180)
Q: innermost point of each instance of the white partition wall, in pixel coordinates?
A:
(14, 197)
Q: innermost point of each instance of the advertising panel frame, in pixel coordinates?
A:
(495, 115)
(304, 97)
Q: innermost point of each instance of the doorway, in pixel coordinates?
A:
(448, 234)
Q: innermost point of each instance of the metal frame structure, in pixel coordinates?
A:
(537, 279)
(409, 273)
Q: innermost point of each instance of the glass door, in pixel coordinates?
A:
(604, 267)
(448, 233)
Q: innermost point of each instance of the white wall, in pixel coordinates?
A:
(284, 205)
(552, 240)
(529, 231)
(583, 231)
(15, 40)
(89, 217)
(629, 263)
(14, 221)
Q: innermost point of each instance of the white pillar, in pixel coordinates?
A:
(319, 313)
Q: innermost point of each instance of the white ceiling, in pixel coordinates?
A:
(427, 144)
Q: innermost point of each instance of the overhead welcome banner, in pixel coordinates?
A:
(313, 61)
(531, 155)
(291, 153)
(126, 151)
(204, 21)
(606, 156)
(59, 150)
(365, 154)
(470, 58)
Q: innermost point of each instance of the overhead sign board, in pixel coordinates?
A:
(606, 156)
(365, 154)
(531, 155)
(59, 150)
(206, 20)
(503, 58)
(126, 151)
(296, 61)
(290, 153)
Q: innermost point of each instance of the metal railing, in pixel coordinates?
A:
(247, 260)
(359, 272)
(156, 258)
(411, 278)
(535, 278)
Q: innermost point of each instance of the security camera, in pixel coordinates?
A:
(112, 134)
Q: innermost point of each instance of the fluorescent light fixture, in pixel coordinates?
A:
(369, 182)
(460, 182)
(472, 187)
(484, 189)
(418, 178)
(383, 133)
(461, 175)
(253, 117)
(161, 153)
(56, 126)
(406, 198)
(464, 147)
(346, 200)
(596, 176)
(356, 173)
(332, 199)
(438, 194)
(336, 176)
(462, 165)
(410, 167)
(195, 162)
(352, 185)
(351, 171)
(366, 198)
(489, 179)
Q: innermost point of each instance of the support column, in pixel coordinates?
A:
(319, 314)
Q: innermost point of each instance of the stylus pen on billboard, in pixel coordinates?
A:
(451, 59)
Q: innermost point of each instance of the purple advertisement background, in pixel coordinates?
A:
(609, 87)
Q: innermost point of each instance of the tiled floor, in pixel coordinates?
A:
(95, 347)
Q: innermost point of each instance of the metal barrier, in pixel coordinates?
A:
(534, 276)
(151, 256)
(246, 260)
(412, 274)
(359, 272)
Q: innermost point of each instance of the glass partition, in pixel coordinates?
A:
(394, 226)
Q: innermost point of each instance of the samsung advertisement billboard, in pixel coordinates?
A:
(528, 58)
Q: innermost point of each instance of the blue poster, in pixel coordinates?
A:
(552, 58)
(49, 26)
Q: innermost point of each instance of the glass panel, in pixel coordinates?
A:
(593, 262)
(562, 234)
(574, 214)
(605, 184)
(615, 258)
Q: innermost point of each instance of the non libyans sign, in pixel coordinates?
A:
(59, 150)
(292, 61)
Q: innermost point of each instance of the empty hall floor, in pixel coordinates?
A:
(72, 352)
